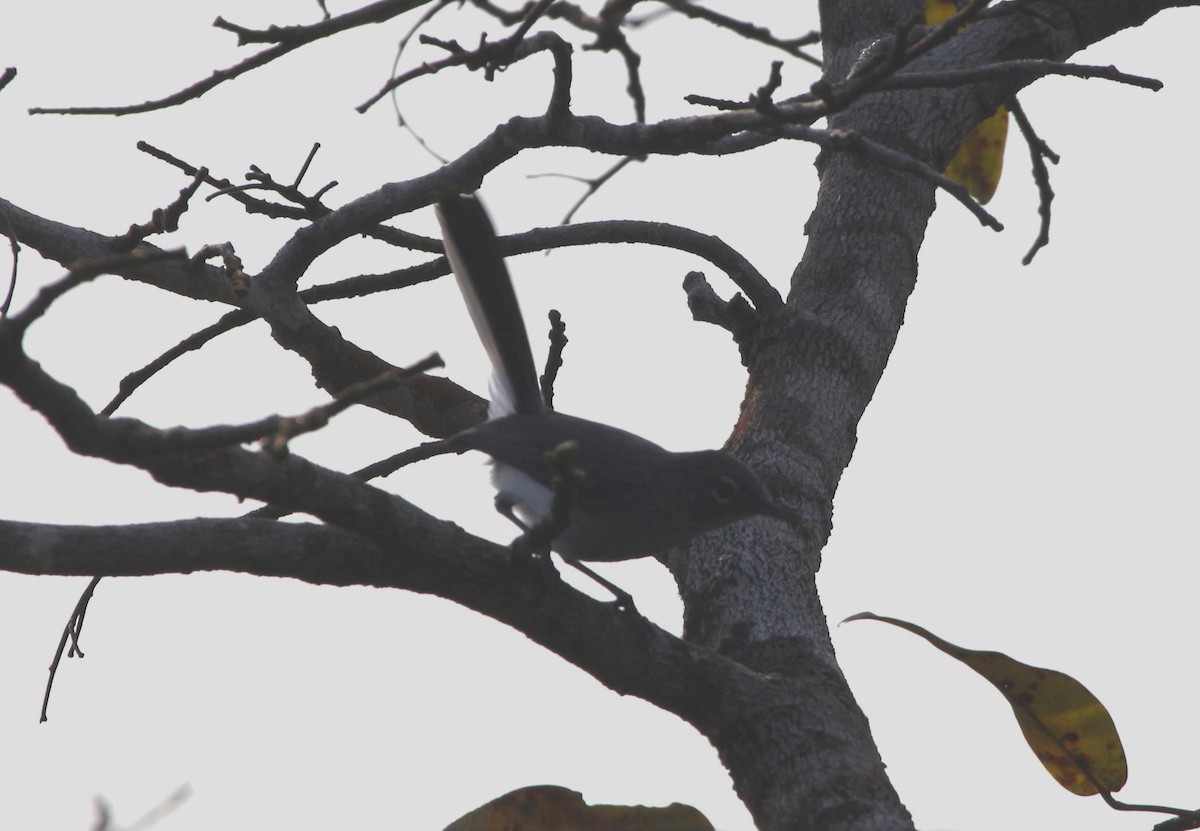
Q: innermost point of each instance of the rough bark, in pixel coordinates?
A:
(749, 593)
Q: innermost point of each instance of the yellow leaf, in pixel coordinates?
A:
(551, 808)
(980, 157)
(1064, 724)
(937, 11)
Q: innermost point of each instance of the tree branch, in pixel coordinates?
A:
(372, 538)
(285, 39)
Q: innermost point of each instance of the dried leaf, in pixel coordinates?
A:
(1064, 724)
(551, 808)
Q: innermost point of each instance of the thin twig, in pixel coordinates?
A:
(762, 100)
(308, 207)
(384, 467)
(362, 285)
(239, 283)
(162, 220)
(401, 120)
(70, 634)
(284, 40)
(471, 58)
(83, 271)
(945, 30)
(15, 247)
(593, 184)
(535, 11)
(276, 443)
(1016, 70)
(616, 40)
(854, 142)
(742, 28)
(162, 809)
(1039, 151)
(558, 342)
(131, 382)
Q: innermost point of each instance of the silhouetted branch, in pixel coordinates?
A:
(1039, 151)
(745, 29)
(558, 342)
(307, 207)
(593, 184)
(401, 119)
(70, 634)
(1019, 71)
(80, 273)
(486, 56)
(15, 248)
(735, 315)
(370, 537)
(276, 442)
(284, 40)
(162, 220)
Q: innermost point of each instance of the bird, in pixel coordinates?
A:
(634, 498)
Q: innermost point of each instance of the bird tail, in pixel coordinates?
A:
(483, 279)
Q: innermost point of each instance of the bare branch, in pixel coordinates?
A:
(853, 142)
(162, 220)
(71, 633)
(284, 38)
(179, 546)
(614, 40)
(68, 244)
(558, 342)
(709, 247)
(486, 55)
(80, 273)
(384, 541)
(761, 100)
(734, 316)
(15, 247)
(745, 29)
(131, 382)
(1039, 151)
(401, 120)
(593, 184)
(1019, 71)
(316, 418)
(384, 467)
(239, 283)
(306, 207)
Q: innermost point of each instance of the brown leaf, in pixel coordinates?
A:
(1064, 724)
(552, 808)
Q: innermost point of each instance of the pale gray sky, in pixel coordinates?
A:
(1024, 479)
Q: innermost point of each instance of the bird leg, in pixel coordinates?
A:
(528, 543)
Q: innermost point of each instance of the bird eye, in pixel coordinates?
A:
(724, 490)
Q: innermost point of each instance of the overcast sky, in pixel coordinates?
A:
(1024, 479)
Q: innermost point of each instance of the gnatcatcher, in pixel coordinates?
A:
(635, 499)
